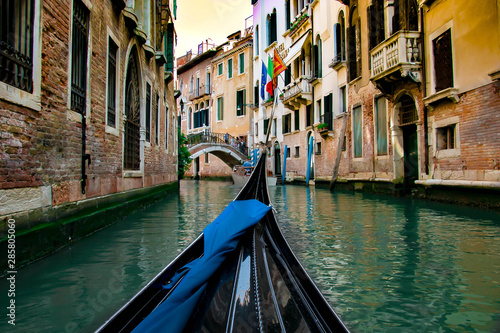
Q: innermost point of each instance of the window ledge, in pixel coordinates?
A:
(495, 76)
(447, 153)
(20, 97)
(450, 93)
(337, 65)
(112, 130)
(132, 174)
(271, 46)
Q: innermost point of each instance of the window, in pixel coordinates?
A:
(343, 99)
(156, 104)
(206, 159)
(288, 152)
(241, 61)
(197, 89)
(257, 129)
(297, 119)
(79, 49)
(354, 45)
(148, 112)
(376, 23)
(220, 69)
(339, 39)
(229, 68)
(381, 125)
(207, 83)
(240, 102)
(287, 123)
(166, 127)
(132, 126)
(443, 61)
(220, 108)
(16, 43)
(287, 15)
(256, 40)
(169, 47)
(271, 27)
(357, 123)
(318, 148)
(297, 151)
(407, 111)
(191, 85)
(328, 111)
(445, 137)
(112, 54)
(317, 54)
(190, 117)
(266, 126)
(317, 112)
(309, 115)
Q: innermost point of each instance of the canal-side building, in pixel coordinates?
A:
(422, 106)
(233, 90)
(87, 110)
(216, 92)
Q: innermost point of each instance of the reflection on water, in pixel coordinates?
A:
(385, 264)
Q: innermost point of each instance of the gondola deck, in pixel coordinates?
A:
(260, 287)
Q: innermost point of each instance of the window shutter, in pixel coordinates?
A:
(372, 26)
(380, 17)
(169, 66)
(337, 42)
(358, 48)
(443, 61)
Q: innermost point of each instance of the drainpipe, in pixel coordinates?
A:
(85, 156)
(424, 92)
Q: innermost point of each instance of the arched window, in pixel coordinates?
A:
(354, 45)
(256, 40)
(133, 113)
(271, 27)
(339, 35)
(317, 54)
(407, 111)
(190, 117)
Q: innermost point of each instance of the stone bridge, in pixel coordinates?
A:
(227, 153)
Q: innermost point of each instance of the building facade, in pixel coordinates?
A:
(382, 95)
(216, 94)
(87, 109)
(419, 99)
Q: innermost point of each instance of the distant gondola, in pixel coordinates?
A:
(259, 287)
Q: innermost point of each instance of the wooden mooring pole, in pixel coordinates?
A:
(339, 152)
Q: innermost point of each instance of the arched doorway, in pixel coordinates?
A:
(277, 158)
(408, 118)
(132, 146)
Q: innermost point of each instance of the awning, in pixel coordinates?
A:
(295, 49)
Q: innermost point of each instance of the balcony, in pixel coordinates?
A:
(297, 93)
(397, 58)
(300, 24)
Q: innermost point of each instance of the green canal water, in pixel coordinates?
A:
(385, 264)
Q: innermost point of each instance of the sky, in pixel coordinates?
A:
(199, 20)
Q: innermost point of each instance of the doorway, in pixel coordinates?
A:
(410, 146)
(277, 158)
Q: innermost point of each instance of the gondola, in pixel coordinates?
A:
(260, 286)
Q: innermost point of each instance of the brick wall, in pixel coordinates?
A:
(43, 148)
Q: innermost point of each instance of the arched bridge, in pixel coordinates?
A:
(215, 144)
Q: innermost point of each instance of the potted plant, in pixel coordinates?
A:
(322, 127)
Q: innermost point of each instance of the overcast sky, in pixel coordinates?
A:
(199, 20)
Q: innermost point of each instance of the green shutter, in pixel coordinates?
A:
(169, 47)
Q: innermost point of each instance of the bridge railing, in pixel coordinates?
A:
(215, 138)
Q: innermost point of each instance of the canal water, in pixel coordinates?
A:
(385, 264)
